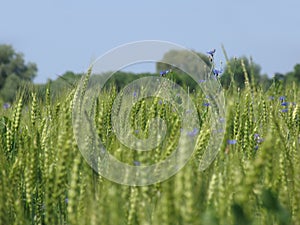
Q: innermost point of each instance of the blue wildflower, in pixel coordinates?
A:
(6, 105)
(206, 104)
(202, 81)
(217, 72)
(258, 139)
(222, 120)
(284, 103)
(211, 52)
(193, 133)
(231, 142)
(134, 94)
(256, 136)
(282, 98)
(284, 110)
(136, 163)
(164, 72)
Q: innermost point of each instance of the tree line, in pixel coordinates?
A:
(15, 74)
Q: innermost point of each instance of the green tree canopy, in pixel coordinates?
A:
(13, 72)
(181, 57)
(293, 76)
(234, 71)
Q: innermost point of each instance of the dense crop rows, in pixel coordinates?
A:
(255, 178)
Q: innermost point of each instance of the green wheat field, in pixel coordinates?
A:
(254, 179)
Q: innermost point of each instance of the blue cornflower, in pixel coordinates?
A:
(6, 105)
(134, 94)
(256, 136)
(231, 142)
(164, 72)
(136, 163)
(282, 98)
(284, 103)
(258, 139)
(211, 52)
(284, 110)
(222, 120)
(193, 133)
(206, 104)
(217, 72)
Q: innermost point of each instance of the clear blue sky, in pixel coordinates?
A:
(61, 35)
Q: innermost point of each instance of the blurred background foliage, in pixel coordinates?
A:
(16, 74)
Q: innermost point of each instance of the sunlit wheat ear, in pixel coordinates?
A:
(296, 194)
(48, 103)
(49, 202)
(9, 137)
(211, 191)
(3, 191)
(236, 123)
(64, 144)
(172, 139)
(17, 115)
(246, 75)
(189, 214)
(264, 116)
(86, 80)
(132, 205)
(31, 171)
(142, 121)
(73, 191)
(13, 179)
(33, 113)
(246, 124)
(231, 70)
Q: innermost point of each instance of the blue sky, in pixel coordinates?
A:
(61, 35)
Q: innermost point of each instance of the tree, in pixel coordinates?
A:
(234, 74)
(182, 58)
(293, 76)
(13, 72)
(237, 74)
(297, 72)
